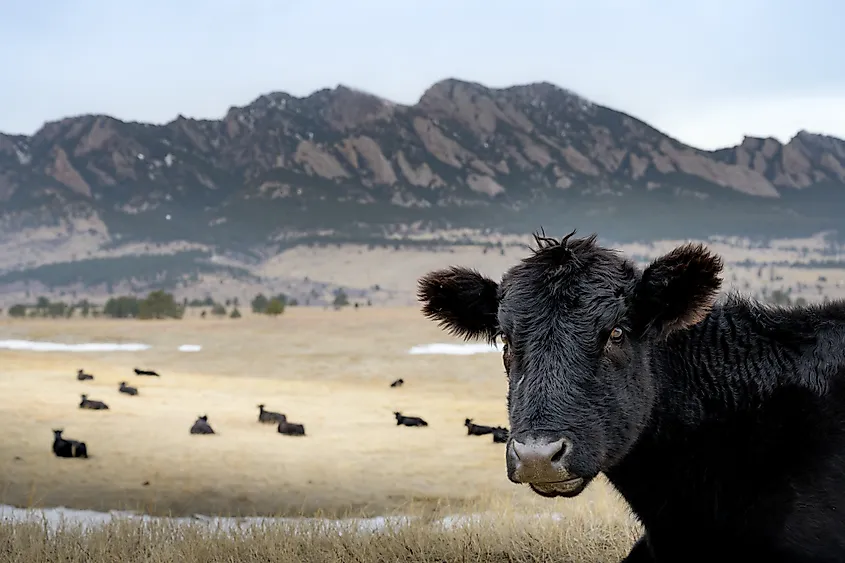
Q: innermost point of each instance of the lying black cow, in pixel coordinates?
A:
(402, 420)
(500, 435)
(290, 428)
(82, 376)
(265, 416)
(146, 372)
(201, 426)
(65, 447)
(477, 429)
(398, 383)
(124, 388)
(91, 404)
(722, 423)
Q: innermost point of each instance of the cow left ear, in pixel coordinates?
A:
(462, 301)
(678, 289)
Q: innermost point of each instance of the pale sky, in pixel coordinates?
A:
(704, 71)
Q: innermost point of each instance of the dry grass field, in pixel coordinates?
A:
(329, 370)
(507, 538)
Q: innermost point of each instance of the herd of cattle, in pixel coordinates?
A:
(66, 447)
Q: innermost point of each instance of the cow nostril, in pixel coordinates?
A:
(560, 453)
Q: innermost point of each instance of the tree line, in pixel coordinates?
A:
(158, 305)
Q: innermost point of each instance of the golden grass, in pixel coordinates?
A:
(509, 536)
(329, 370)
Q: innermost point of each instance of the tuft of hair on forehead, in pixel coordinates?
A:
(563, 251)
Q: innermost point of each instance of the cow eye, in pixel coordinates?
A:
(504, 339)
(616, 335)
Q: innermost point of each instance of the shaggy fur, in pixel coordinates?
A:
(722, 424)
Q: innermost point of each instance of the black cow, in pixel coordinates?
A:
(722, 423)
(201, 426)
(82, 376)
(265, 416)
(398, 383)
(500, 435)
(290, 428)
(477, 429)
(65, 447)
(124, 388)
(402, 420)
(87, 403)
(146, 372)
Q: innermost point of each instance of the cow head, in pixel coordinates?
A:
(577, 323)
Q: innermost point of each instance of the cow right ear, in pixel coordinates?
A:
(462, 301)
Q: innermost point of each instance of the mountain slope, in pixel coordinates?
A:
(348, 165)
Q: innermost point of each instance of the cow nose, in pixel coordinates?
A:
(538, 460)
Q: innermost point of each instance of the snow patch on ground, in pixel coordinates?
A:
(454, 349)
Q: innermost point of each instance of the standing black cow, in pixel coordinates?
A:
(722, 424)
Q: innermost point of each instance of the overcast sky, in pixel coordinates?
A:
(706, 72)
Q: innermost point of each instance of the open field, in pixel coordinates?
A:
(329, 370)
(810, 268)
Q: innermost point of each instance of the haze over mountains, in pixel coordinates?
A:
(342, 165)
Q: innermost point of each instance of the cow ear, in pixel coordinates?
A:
(678, 289)
(462, 301)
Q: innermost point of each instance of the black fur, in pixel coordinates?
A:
(82, 376)
(65, 447)
(721, 423)
(461, 300)
(128, 390)
(402, 420)
(290, 428)
(477, 429)
(86, 403)
(500, 435)
(201, 426)
(265, 416)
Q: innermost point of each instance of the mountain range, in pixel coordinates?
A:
(346, 166)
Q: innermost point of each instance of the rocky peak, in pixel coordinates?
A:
(344, 108)
(463, 144)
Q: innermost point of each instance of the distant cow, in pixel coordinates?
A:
(291, 428)
(124, 388)
(270, 416)
(398, 383)
(65, 447)
(500, 435)
(201, 426)
(721, 421)
(146, 372)
(477, 429)
(82, 376)
(402, 420)
(87, 403)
